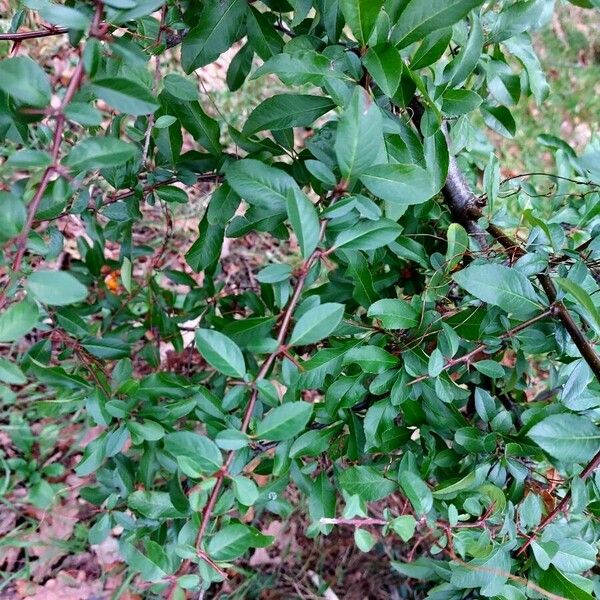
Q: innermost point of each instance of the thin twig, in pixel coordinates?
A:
(466, 358)
(28, 35)
(21, 240)
(249, 411)
(562, 505)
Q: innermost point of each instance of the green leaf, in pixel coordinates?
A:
(364, 540)
(394, 314)
(316, 324)
(501, 286)
(402, 184)
(460, 102)
(231, 439)
(274, 273)
(458, 245)
(245, 490)
(260, 185)
(202, 453)
(554, 581)
(368, 235)
(517, 18)
(220, 352)
(106, 348)
(25, 81)
(234, 540)
(361, 17)
(206, 250)
(463, 65)
(148, 431)
(220, 24)
(153, 505)
(568, 438)
(421, 17)
(574, 556)
(416, 491)
(204, 129)
(305, 221)
(11, 373)
(99, 153)
(56, 288)
(164, 121)
(285, 421)
(404, 526)
(14, 216)
(65, 16)
(500, 119)
(171, 193)
(359, 138)
(299, 68)
(239, 68)
(262, 36)
(583, 298)
(385, 65)
(27, 158)
(148, 569)
(490, 368)
(125, 95)
(286, 110)
(366, 483)
(372, 359)
(491, 575)
(17, 320)
(431, 48)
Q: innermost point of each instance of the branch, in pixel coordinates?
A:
(21, 240)
(459, 195)
(584, 346)
(28, 35)
(466, 358)
(562, 505)
(466, 209)
(248, 412)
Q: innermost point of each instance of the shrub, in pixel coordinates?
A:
(418, 358)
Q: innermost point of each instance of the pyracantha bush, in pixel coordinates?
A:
(419, 357)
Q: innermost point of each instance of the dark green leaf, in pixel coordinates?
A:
(286, 110)
(305, 221)
(568, 438)
(421, 17)
(200, 453)
(223, 354)
(234, 540)
(17, 320)
(125, 95)
(99, 153)
(501, 286)
(359, 138)
(56, 288)
(316, 324)
(25, 80)
(366, 483)
(399, 183)
(219, 25)
(285, 421)
(368, 235)
(361, 17)
(260, 184)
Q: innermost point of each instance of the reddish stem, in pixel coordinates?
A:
(481, 347)
(589, 469)
(28, 35)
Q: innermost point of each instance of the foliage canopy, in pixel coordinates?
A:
(423, 367)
